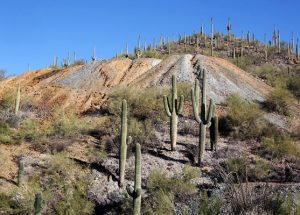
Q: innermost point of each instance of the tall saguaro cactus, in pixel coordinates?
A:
(136, 192)
(18, 97)
(211, 36)
(229, 30)
(38, 204)
(297, 49)
(173, 110)
(123, 147)
(203, 117)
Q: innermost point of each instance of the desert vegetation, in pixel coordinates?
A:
(160, 148)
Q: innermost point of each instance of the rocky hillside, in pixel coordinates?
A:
(87, 86)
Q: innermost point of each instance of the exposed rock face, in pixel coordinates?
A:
(87, 86)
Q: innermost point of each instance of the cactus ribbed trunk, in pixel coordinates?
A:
(137, 181)
(18, 97)
(123, 147)
(173, 133)
(202, 143)
(38, 204)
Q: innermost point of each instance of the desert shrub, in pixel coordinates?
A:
(11, 204)
(279, 100)
(142, 103)
(294, 86)
(65, 124)
(152, 54)
(8, 100)
(243, 119)
(167, 190)
(243, 169)
(64, 185)
(79, 62)
(272, 75)
(6, 134)
(208, 205)
(279, 146)
(243, 62)
(29, 131)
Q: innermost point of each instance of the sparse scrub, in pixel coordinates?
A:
(294, 86)
(280, 146)
(169, 189)
(244, 169)
(208, 205)
(279, 100)
(60, 195)
(243, 118)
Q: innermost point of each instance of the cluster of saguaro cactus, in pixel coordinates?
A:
(136, 191)
(204, 117)
(38, 203)
(173, 109)
(18, 97)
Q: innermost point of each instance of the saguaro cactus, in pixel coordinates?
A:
(20, 173)
(173, 110)
(38, 204)
(94, 54)
(211, 36)
(214, 133)
(229, 30)
(18, 97)
(136, 192)
(123, 147)
(297, 49)
(278, 41)
(204, 117)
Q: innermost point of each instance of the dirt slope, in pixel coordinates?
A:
(83, 87)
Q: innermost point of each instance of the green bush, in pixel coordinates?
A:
(279, 146)
(65, 124)
(243, 119)
(64, 185)
(243, 169)
(279, 100)
(273, 75)
(294, 86)
(6, 134)
(209, 206)
(29, 131)
(8, 100)
(164, 190)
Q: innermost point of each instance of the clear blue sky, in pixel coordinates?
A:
(33, 31)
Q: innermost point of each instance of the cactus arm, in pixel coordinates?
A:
(179, 105)
(195, 108)
(167, 106)
(211, 111)
(197, 93)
